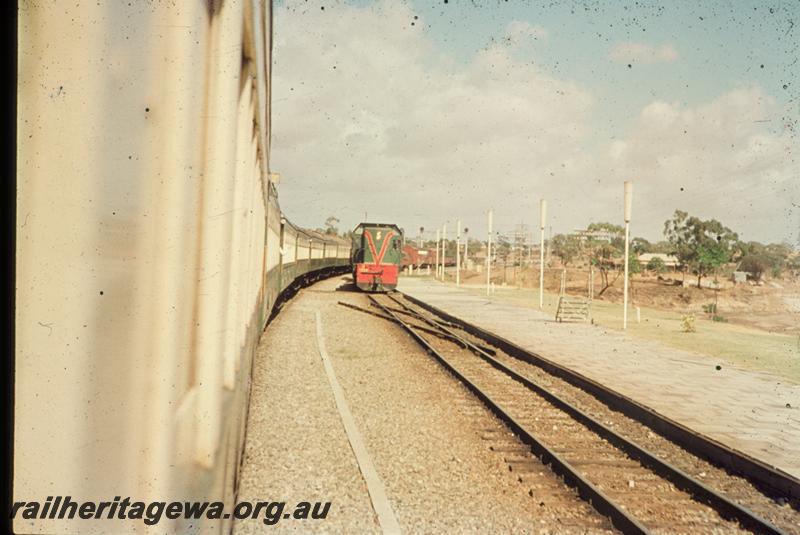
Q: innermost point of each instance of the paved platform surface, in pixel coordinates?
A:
(745, 409)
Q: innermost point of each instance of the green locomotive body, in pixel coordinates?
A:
(377, 255)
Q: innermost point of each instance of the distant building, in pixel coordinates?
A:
(597, 235)
(669, 260)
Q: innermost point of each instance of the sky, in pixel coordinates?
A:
(422, 113)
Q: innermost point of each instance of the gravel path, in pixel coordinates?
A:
(296, 448)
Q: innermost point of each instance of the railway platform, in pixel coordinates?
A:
(754, 412)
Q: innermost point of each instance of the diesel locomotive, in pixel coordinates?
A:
(377, 253)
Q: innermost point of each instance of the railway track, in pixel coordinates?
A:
(639, 480)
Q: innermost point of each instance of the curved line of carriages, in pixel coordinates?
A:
(303, 256)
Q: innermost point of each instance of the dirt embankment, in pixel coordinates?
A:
(768, 307)
(773, 306)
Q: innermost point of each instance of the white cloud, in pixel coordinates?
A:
(718, 159)
(393, 115)
(642, 53)
(407, 134)
(519, 30)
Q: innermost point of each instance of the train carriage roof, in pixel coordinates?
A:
(322, 237)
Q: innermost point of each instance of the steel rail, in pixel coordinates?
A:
(620, 518)
(438, 325)
(754, 470)
(698, 490)
(438, 334)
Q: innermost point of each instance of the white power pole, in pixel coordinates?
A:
(444, 249)
(489, 256)
(542, 219)
(458, 253)
(628, 201)
(436, 267)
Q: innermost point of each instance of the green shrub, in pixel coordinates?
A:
(656, 265)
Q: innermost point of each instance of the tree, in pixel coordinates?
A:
(603, 253)
(754, 265)
(702, 246)
(602, 257)
(758, 259)
(565, 247)
(614, 230)
(641, 246)
(778, 255)
(330, 225)
(710, 256)
(677, 233)
(501, 247)
(656, 265)
(663, 247)
(793, 266)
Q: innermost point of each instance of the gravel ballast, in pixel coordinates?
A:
(428, 438)
(296, 448)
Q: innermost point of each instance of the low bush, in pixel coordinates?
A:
(687, 323)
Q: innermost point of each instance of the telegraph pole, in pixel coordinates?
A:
(489, 255)
(466, 243)
(444, 249)
(458, 253)
(436, 269)
(628, 201)
(542, 219)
